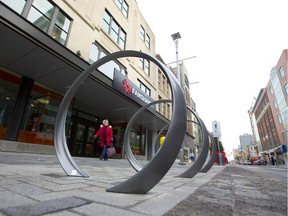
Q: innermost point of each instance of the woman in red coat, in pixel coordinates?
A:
(106, 135)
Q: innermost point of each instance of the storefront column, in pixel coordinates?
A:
(151, 136)
(19, 109)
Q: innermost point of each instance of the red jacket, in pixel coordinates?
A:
(109, 135)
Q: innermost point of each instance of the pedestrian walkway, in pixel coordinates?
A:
(35, 184)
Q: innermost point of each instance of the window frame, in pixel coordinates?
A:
(122, 5)
(143, 87)
(121, 41)
(281, 72)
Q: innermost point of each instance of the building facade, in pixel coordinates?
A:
(270, 111)
(45, 46)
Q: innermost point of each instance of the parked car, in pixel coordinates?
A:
(247, 162)
(259, 162)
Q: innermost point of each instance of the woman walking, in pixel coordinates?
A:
(106, 135)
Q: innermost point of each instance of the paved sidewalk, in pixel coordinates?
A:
(34, 184)
(239, 191)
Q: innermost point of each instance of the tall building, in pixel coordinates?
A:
(271, 112)
(193, 139)
(46, 45)
(256, 145)
(245, 141)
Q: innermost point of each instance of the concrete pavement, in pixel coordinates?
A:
(35, 184)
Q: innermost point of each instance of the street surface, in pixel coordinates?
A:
(239, 190)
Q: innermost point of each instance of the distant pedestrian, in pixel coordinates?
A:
(280, 160)
(272, 160)
(106, 136)
(192, 156)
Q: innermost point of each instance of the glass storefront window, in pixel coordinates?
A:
(137, 140)
(9, 87)
(39, 120)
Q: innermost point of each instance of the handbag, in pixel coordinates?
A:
(111, 151)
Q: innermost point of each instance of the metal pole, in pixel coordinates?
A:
(177, 62)
(219, 156)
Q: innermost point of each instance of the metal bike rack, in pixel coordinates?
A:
(155, 170)
(129, 154)
(197, 165)
(213, 156)
(195, 168)
(158, 137)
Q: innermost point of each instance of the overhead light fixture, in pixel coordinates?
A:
(176, 36)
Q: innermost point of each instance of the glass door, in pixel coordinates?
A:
(82, 141)
(78, 146)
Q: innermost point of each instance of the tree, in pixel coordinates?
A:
(220, 146)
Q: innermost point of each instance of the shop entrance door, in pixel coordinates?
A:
(82, 138)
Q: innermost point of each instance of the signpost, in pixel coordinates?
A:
(217, 133)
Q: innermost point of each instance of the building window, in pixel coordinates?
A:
(159, 105)
(143, 87)
(61, 28)
(97, 52)
(144, 37)
(275, 104)
(281, 72)
(271, 90)
(279, 118)
(49, 19)
(45, 16)
(164, 83)
(16, 5)
(168, 111)
(286, 88)
(112, 28)
(159, 80)
(147, 41)
(144, 64)
(142, 33)
(123, 6)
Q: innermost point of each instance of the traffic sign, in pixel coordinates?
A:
(216, 129)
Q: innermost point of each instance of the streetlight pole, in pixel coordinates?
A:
(176, 37)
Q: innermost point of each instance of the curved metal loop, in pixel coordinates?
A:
(213, 156)
(129, 154)
(197, 165)
(153, 172)
(158, 137)
(156, 169)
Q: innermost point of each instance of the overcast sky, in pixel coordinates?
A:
(236, 44)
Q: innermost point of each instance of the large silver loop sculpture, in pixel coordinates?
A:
(156, 169)
(213, 156)
(127, 148)
(197, 165)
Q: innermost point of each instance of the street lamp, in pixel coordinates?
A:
(176, 37)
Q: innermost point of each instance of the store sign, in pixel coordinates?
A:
(125, 86)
